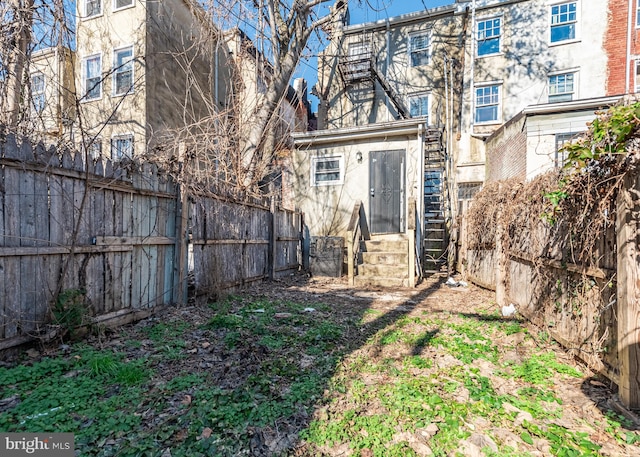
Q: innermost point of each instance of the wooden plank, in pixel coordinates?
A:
(238, 242)
(57, 250)
(56, 205)
(560, 265)
(41, 210)
(28, 293)
(4, 308)
(133, 241)
(12, 282)
(628, 293)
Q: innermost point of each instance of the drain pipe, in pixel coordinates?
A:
(388, 63)
(628, 59)
(473, 63)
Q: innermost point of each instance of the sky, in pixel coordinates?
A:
(368, 11)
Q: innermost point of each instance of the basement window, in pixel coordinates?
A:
(327, 171)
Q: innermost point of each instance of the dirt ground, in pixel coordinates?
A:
(364, 318)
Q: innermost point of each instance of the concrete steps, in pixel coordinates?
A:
(384, 262)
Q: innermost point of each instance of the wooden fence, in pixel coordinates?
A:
(590, 309)
(236, 244)
(120, 236)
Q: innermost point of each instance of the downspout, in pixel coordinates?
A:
(628, 61)
(388, 63)
(420, 223)
(473, 63)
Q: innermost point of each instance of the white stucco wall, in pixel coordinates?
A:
(328, 208)
(541, 137)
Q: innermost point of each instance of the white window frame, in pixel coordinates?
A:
(120, 69)
(558, 97)
(498, 37)
(425, 49)
(575, 22)
(314, 170)
(418, 98)
(130, 4)
(637, 77)
(638, 13)
(562, 139)
(85, 10)
(86, 86)
(94, 148)
(115, 154)
(497, 104)
(38, 95)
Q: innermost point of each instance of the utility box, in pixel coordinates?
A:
(326, 256)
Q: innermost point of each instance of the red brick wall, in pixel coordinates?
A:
(507, 152)
(615, 45)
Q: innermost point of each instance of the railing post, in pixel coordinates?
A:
(411, 233)
(350, 259)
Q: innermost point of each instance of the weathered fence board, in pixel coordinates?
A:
(577, 304)
(119, 236)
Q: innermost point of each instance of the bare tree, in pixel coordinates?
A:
(283, 30)
(17, 21)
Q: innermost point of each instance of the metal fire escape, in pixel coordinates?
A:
(437, 207)
(361, 67)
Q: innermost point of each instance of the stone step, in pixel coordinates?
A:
(396, 270)
(378, 281)
(382, 245)
(385, 258)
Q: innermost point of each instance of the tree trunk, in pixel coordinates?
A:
(17, 59)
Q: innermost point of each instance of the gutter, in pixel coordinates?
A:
(383, 130)
(577, 105)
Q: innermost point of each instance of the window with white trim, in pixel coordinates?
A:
(122, 147)
(123, 71)
(564, 18)
(638, 13)
(37, 92)
(120, 4)
(561, 140)
(487, 104)
(94, 148)
(326, 171)
(92, 8)
(637, 75)
(92, 77)
(489, 31)
(419, 45)
(561, 87)
(419, 106)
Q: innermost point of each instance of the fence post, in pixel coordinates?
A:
(501, 259)
(628, 292)
(411, 232)
(273, 239)
(182, 248)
